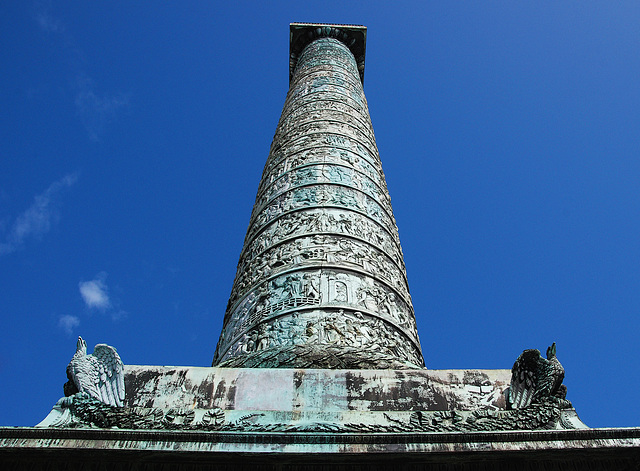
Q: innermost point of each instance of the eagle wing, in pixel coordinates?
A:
(110, 374)
(525, 378)
(534, 377)
(546, 378)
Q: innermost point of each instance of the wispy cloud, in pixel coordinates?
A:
(95, 110)
(38, 218)
(95, 293)
(46, 20)
(68, 323)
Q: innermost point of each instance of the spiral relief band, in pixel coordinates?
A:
(321, 281)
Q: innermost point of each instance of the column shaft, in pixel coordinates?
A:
(321, 281)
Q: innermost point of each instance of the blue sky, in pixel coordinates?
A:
(133, 136)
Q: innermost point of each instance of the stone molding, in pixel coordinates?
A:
(51, 439)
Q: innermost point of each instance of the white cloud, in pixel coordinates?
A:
(95, 293)
(96, 111)
(38, 218)
(68, 323)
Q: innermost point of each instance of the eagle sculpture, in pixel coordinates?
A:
(100, 375)
(534, 378)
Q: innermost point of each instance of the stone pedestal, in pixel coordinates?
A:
(313, 400)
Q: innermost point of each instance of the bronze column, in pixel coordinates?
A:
(321, 281)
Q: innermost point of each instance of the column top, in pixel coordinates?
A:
(353, 36)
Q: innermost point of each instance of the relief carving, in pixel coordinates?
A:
(305, 290)
(342, 328)
(87, 412)
(327, 102)
(324, 121)
(324, 221)
(315, 250)
(321, 195)
(322, 174)
(321, 151)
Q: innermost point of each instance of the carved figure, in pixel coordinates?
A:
(534, 378)
(100, 374)
(341, 292)
(310, 287)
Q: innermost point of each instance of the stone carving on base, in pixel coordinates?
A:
(99, 375)
(535, 399)
(83, 411)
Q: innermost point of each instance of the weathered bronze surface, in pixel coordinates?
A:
(288, 400)
(321, 281)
